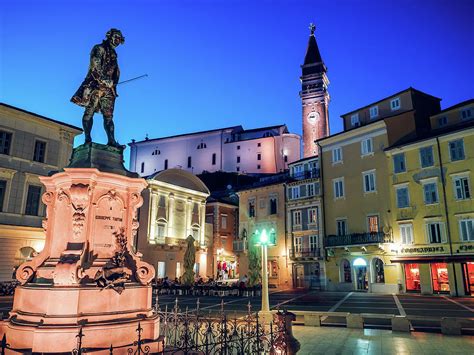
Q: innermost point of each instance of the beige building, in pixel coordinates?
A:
(31, 145)
(262, 206)
(174, 208)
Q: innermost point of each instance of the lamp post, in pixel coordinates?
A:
(264, 241)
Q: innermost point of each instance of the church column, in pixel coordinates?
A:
(170, 233)
(203, 221)
(154, 205)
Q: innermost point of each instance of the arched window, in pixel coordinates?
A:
(379, 275)
(267, 134)
(156, 152)
(346, 273)
(201, 145)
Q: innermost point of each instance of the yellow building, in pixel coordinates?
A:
(432, 205)
(356, 191)
(31, 146)
(263, 207)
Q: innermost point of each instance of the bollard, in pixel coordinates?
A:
(450, 326)
(312, 320)
(355, 321)
(400, 324)
(285, 341)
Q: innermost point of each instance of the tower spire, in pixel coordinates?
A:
(314, 96)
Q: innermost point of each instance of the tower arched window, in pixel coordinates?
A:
(156, 152)
(201, 145)
(267, 134)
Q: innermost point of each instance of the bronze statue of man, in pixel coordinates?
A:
(98, 90)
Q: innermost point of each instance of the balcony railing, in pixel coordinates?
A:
(357, 239)
(305, 253)
(308, 174)
(239, 246)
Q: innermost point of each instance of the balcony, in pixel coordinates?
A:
(305, 253)
(239, 246)
(309, 174)
(357, 239)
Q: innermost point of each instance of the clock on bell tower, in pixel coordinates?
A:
(314, 97)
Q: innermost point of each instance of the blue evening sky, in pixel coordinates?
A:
(218, 63)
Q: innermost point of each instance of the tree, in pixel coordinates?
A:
(189, 261)
(255, 264)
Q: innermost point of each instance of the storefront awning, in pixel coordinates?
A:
(432, 259)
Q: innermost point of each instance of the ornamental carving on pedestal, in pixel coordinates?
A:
(80, 195)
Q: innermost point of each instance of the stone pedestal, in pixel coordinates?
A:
(88, 274)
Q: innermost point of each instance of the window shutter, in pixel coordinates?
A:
(290, 193)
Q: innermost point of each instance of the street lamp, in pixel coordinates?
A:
(264, 241)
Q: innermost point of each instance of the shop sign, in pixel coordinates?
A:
(466, 247)
(422, 250)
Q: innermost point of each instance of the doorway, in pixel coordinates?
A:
(299, 276)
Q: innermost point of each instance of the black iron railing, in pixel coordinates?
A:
(357, 239)
(308, 174)
(305, 253)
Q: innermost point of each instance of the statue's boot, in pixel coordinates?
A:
(87, 126)
(109, 129)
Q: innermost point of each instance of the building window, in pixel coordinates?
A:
(273, 205)
(337, 155)
(156, 152)
(461, 188)
(40, 151)
(395, 104)
(355, 120)
(373, 224)
(238, 147)
(467, 113)
(466, 229)
(341, 226)
(142, 168)
(313, 242)
(313, 216)
(5, 142)
(285, 158)
(224, 221)
(338, 188)
(295, 192)
(252, 208)
(366, 146)
(403, 197)
(3, 192)
(426, 157)
(258, 166)
(346, 271)
(442, 121)
(238, 159)
(238, 169)
(406, 233)
(298, 244)
(412, 277)
(374, 111)
(189, 162)
(166, 164)
(430, 191)
(202, 146)
(369, 181)
(399, 163)
(33, 200)
(297, 218)
(161, 270)
(161, 230)
(259, 156)
(439, 274)
(310, 189)
(213, 158)
(259, 144)
(456, 150)
(379, 276)
(435, 232)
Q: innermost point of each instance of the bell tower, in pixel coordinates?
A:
(314, 97)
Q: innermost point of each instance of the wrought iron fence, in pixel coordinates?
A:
(194, 332)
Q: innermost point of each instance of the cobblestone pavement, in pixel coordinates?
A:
(337, 340)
